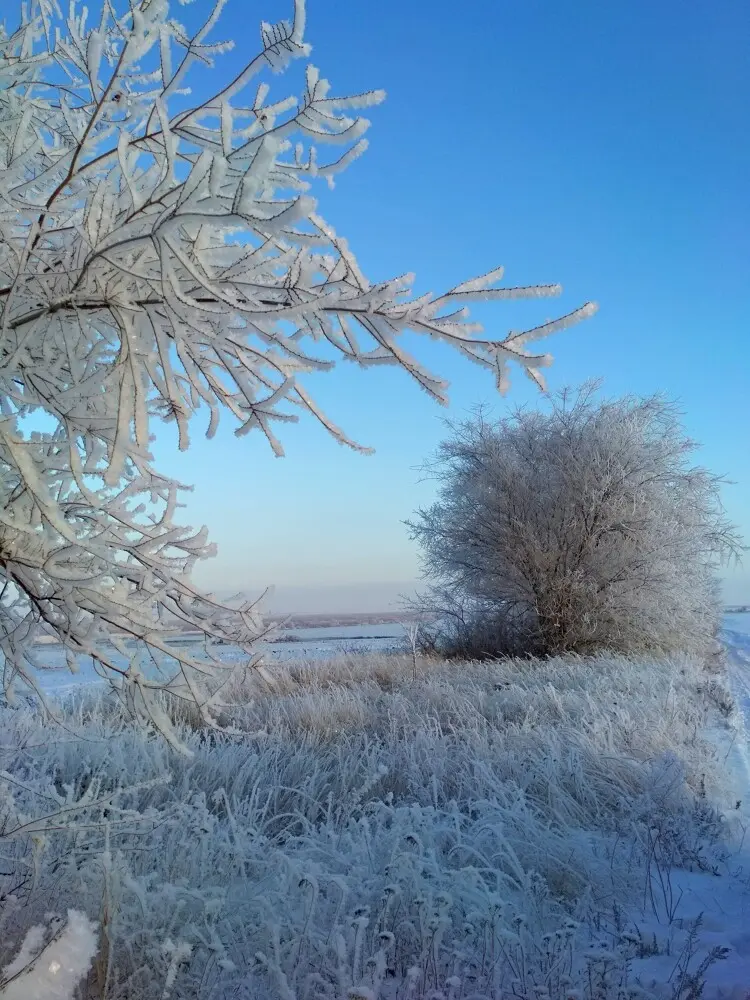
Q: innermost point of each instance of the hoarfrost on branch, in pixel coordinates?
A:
(160, 253)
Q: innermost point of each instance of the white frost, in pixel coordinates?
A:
(54, 972)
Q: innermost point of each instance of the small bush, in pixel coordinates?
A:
(578, 529)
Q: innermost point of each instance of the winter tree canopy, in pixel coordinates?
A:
(159, 254)
(579, 528)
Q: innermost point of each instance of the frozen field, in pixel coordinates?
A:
(321, 643)
(328, 642)
(722, 903)
(367, 818)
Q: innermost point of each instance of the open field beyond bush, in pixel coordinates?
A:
(511, 829)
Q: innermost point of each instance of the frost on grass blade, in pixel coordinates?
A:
(345, 836)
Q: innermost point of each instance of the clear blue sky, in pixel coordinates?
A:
(601, 145)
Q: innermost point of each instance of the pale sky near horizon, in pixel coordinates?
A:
(604, 146)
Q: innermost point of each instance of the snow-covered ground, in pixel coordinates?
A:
(737, 639)
(722, 902)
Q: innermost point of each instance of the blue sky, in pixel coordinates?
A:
(601, 145)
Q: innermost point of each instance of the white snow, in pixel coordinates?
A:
(52, 972)
(721, 901)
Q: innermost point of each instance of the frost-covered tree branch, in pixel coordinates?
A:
(160, 252)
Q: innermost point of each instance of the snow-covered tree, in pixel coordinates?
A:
(580, 528)
(160, 253)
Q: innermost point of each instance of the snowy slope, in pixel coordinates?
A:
(737, 640)
(722, 902)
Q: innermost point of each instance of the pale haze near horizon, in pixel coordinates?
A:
(368, 598)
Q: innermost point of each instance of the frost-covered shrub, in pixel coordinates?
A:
(363, 830)
(578, 528)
